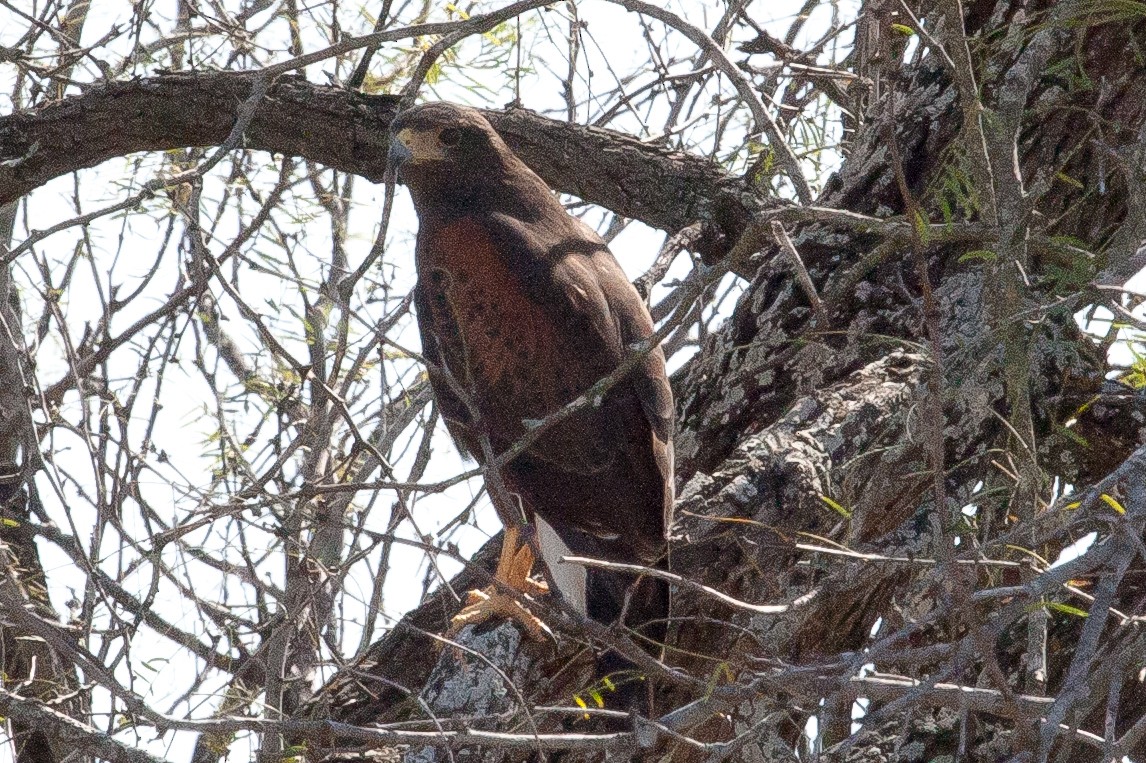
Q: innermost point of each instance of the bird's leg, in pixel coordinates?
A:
(521, 572)
(513, 570)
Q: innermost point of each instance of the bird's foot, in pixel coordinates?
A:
(513, 570)
(491, 603)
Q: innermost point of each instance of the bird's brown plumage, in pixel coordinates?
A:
(526, 308)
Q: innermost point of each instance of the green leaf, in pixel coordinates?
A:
(1066, 609)
(1077, 243)
(979, 254)
(902, 29)
(1112, 503)
(946, 211)
(150, 666)
(922, 227)
(836, 507)
(1070, 181)
(1073, 436)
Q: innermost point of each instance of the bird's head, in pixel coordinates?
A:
(451, 158)
(448, 155)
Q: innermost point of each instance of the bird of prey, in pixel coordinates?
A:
(522, 309)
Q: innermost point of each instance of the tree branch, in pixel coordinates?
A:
(349, 131)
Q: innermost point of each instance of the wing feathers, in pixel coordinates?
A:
(579, 279)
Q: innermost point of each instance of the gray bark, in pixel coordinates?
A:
(778, 412)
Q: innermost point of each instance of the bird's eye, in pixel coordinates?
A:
(450, 136)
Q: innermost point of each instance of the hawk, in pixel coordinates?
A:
(522, 308)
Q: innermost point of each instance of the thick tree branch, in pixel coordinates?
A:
(349, 131)
(77, 736)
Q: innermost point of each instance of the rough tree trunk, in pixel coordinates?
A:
(780, 411)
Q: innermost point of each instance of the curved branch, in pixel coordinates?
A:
(349, 131)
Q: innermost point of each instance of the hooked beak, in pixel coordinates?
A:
(399, 153)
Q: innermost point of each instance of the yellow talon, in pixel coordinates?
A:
(513, 569)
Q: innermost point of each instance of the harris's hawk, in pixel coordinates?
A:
(522, 308)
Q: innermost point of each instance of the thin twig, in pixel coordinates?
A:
(764, 121)
(802, 276)
(652, 572)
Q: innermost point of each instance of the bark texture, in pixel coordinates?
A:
(779, 412)
(349, 132)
